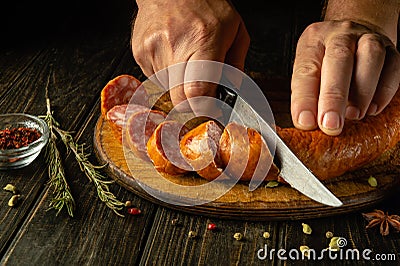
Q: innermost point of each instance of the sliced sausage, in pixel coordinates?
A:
(200, 148)
(119, 91)
(249, 154)
(116, 115)
(163, 148)
(139, 128)
(360, 143)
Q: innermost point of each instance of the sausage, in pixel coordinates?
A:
(360, 143)
(139, 128)
(116, 115)
(200, 149)
(163, 148)
(238, 142)
(119, 91)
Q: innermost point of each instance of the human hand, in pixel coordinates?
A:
(170, 32)
(342, 70)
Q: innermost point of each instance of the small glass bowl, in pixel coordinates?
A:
(17, 158)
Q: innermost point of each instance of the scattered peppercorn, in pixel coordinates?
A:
(15, 138)
(134, 211)
(329, 234)
(238, 236)
(211, 227)
(266, 235)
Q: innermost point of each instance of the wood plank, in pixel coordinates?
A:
(170, 244)
(95, 235)
(74, 89)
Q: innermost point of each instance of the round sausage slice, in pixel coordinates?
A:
(120, 91)
(200, 148)
(116, 115)
(139, 128)
(163, 148)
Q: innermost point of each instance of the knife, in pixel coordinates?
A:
(292, 170)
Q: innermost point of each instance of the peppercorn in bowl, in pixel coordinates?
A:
(22, 138)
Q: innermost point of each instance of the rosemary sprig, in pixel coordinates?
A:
(100, 182)
(62, 194)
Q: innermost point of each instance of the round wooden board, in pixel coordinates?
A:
(279, 203)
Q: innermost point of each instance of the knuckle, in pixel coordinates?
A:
(334, 94)
(312, 29)
(341, 46)
(372, 43)
(307, 69)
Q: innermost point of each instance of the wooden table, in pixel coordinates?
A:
(78, 48)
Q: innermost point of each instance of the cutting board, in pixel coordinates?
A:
(264, 203)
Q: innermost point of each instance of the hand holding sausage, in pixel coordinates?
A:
(346, 68)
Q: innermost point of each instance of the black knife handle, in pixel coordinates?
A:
(227, 96)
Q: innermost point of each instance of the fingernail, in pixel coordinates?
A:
(306, 119)
(331, 120)
(373, 107)
(352, 112)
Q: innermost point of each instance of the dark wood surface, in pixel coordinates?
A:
(78, 48)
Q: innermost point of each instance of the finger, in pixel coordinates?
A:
(370, 57)
(176, 81)
(388, 83)
(305, 81)
(202, 75)
(236, 54)
(336, 72)
(143, 56)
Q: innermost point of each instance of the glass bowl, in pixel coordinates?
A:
(17, 158)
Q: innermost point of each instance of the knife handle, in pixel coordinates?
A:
(227, 96)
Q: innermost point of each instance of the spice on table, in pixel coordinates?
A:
(211, 227)
(192, 234)
(175, 221)
(329, 234)
(18, 137)
(372, 181)
(334, 243)
(272, 184)
(238, 236)
(11, 188)
(266, 235)
(134, 211)
(306, 229)
(13, 201)
(384, 220)
(305, 250)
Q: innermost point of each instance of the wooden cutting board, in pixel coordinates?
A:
(264, 203)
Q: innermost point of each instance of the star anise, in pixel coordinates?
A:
(378, 217)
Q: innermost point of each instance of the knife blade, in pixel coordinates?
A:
(292, 170)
